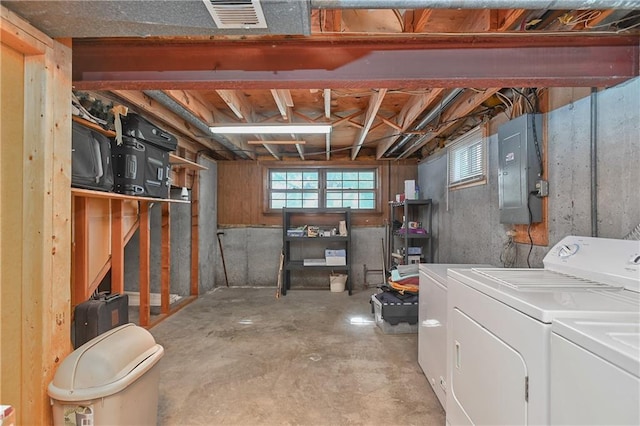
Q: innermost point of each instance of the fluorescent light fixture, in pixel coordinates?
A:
(296, 142)
(272, 129)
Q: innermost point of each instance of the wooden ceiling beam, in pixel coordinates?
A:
(372, 110)
(511, 19)
(459, 110)
(507, 60)
(416, 20)
(240, 107)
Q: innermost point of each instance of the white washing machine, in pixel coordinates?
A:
(609, 350)
(432, 320)
(499, 325)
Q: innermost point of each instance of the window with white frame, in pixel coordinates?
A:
(467, 159)
(323, 188)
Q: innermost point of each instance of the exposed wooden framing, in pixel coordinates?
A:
(80, 250)
(467, 104)
(280, 102)
(40, 288)
(389, 123)
(481, 20)
(372, 110)
(175, 160)
(145, 264)
(299, 147)
(327, 103)
(341, 121)
(117, 247)
(416, 105)
(416, 20)
(511, 19)
(327, 144)
(240, 107)
(428, 61)
(165, 258)
(113, 195)
(195, 235)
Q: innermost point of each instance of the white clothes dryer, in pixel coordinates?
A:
(499, 325)
(432, 320)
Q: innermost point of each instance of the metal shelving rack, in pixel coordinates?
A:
(412, 211)
(293, 264)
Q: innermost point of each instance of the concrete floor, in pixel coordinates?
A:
(239, 356)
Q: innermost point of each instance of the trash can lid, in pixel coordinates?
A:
(105, 364)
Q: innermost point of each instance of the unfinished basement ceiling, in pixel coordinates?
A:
(394, 81)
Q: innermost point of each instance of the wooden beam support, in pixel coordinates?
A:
(145, 265)
(165, 258)
(511, 19)
(416, 20)
(457, 60)
(117, 247)
(240, 107)
(80, 250)
(372, 110)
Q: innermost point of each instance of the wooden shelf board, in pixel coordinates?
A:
(176, 160)
(79, 192)
(94, 126)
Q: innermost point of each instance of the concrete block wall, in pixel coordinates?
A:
(467, 228)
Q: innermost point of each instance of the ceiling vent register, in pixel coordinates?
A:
(236, 14)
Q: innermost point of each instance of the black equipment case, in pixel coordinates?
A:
(99, 314)
(90, 159)
(136, 126)
(140, 168)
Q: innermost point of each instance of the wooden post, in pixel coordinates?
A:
(195, 249)
(165, 259)
(117, 247)
(145, 274)
(80, 248)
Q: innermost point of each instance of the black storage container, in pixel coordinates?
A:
(90, 159)
(140, 168)
(395, 309)
(99, 314)
(138, 127)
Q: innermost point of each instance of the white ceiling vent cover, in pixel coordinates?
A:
(236, 14)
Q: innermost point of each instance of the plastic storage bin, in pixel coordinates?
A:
(395, 318)
(110, 380)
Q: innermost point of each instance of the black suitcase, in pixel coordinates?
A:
(101, 313)
(90, 159)
(138, 127)
(140, 168)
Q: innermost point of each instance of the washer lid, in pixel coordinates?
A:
(438, 271)
(542, 279)
(615, 338)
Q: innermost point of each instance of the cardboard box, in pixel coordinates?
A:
(335, 257)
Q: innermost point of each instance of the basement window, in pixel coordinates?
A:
(323, 188)
(467, 159)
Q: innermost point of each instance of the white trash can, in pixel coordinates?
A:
(110, 380)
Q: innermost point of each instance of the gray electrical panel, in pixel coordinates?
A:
(519, 169)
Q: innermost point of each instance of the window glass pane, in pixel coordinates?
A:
(278, 185)
(310, 184)
(334, 184)
(310, 204)
(294, 196)
(294, 203)
(350, 176)
(367, 204)
(367, 176)
(334, 196)
(294, 184)
(367, 196)
(334, 175)
(310, 176)
(350, 184)
(278, 176)
(350, 203)
(278, 195)
(294, 175)
(467, 158)
(334, 203)
(277, 204)
(367, 184)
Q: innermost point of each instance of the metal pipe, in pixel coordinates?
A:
(431, 115)
(165, 100)
(476, 4)
(594, 162)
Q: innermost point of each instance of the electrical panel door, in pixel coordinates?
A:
(519, 162)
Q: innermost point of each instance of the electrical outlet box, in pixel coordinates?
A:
(542, 186)
(519, 169)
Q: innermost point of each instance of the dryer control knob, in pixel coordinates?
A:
(635, 259)
(568, 250)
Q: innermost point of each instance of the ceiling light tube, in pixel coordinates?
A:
(272, 129)
(296, 142)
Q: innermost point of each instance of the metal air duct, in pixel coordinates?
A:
(431, 115)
